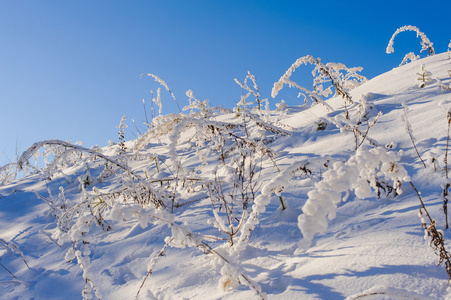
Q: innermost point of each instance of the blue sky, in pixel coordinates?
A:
(71, 69)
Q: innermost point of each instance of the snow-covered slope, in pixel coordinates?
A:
(373, 245)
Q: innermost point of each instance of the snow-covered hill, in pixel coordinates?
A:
(192, 209)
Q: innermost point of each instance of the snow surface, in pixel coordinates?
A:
(374, 248)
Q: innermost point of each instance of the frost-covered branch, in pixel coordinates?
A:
(437, 242)
(409, 56)
(409, 131)
(14, 249)
(254, 91)
(340, 78)
(425, 42)
(23, 159)
(163, 83)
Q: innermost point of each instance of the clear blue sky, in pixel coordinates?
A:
(71, 69)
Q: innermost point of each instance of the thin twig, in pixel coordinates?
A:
(7, 270)
(161, 253)
(409, 131)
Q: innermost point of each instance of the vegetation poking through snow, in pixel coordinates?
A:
(239, 162)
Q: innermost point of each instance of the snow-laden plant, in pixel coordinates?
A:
(8, 173)
(360, 174)
(446, 88)
(358, 122)
(163, 125)
(157, 101)
(181, 237)
(423, 77)
(195, 104)
(38, 161)
(328, 79)
(409, 56)
(133, 186)
(80, 240)
(237, 182)
(274, 186)
(333, 79)
(254, 90)
(426, 44)
(122, 126)
(242, 154)
(75, 217)
(240, 146)
(449, 50)
(164, 84)
(437, 241)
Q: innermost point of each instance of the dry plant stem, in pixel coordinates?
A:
(145, 113)
(415, 147)
(409, 131)
(369, 126)
(421, 201)
(445, 190)
(339, 89)
(7, 270)
(281, 202)
(437, 242)
(207, 249)
(81, 149)
(160, 254)
(363, 136)
(21, 255)
(369, 295)
(445, 203)
(447, 144)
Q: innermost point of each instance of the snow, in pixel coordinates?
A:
(164, 217)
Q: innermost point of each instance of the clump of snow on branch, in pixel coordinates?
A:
(359, 174)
